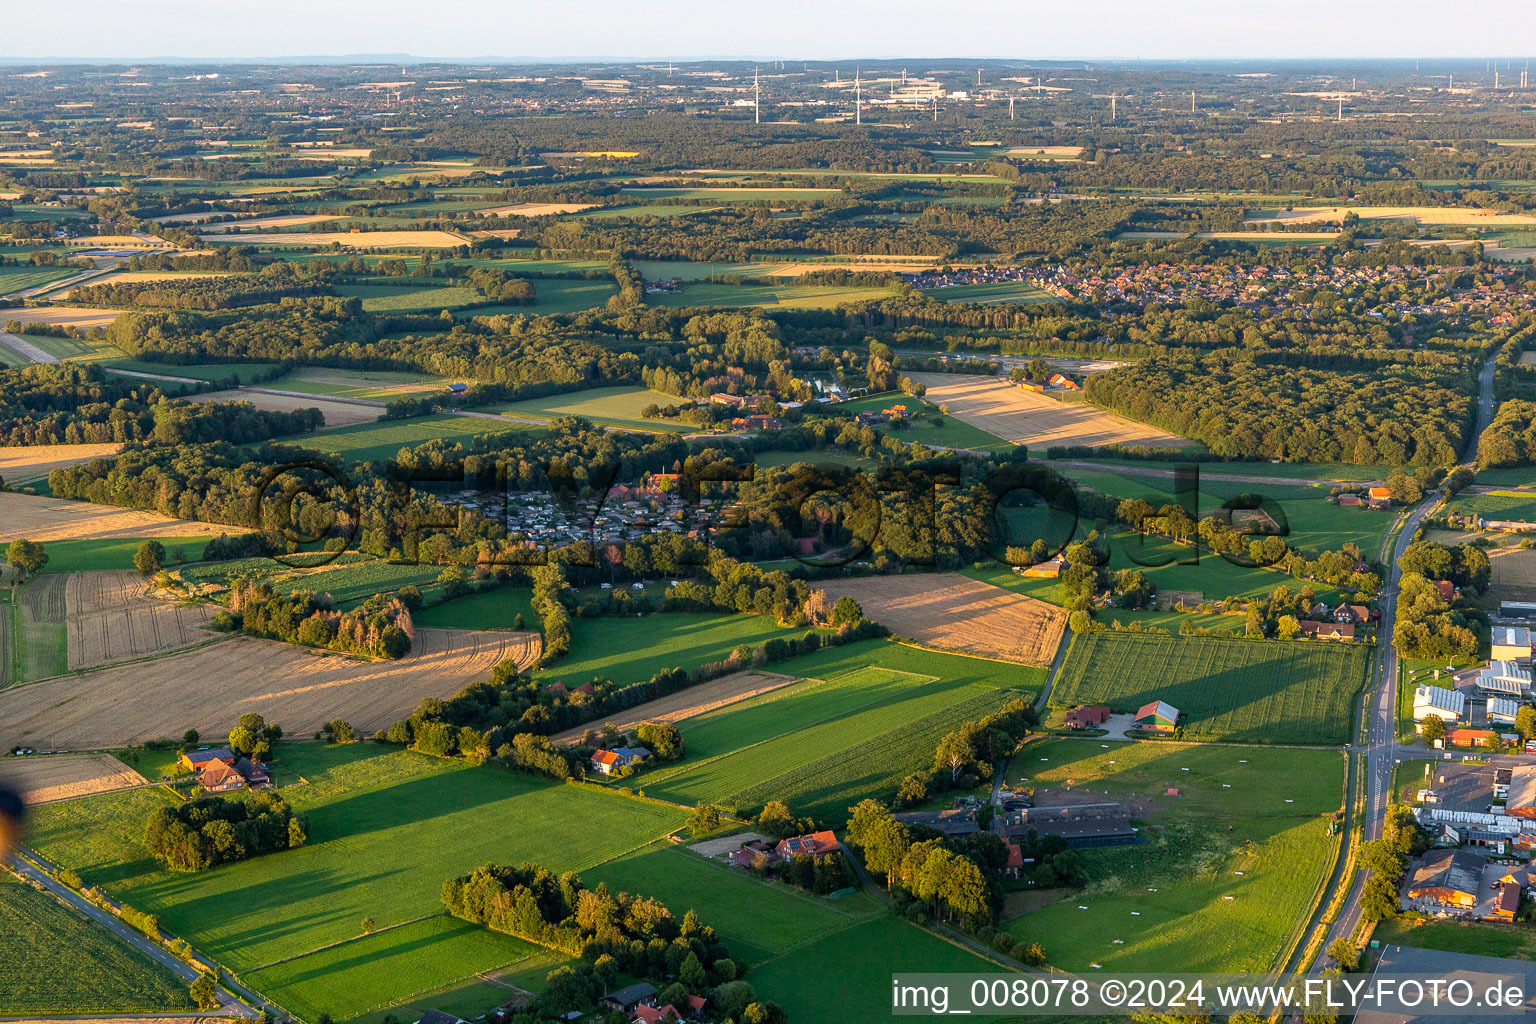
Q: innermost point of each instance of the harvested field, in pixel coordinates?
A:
(206, 688)
(45, 519)
(337, 414)
(20, 463)
(1030, 418)
(141, 277)
(68, 316)
(111, 618)
(1055, 152)
(695, 700)
(347, 239)
(534, 209)
(42, 779)
(1458, 216)
(948, 610)
(287, 220)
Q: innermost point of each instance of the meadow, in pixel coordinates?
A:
(386, 827)
(1501, 505)
(619, 406)
(993, 293)
(1263, 691)
(555, 295)
(1227, 871)
(373, 442)
(768, 296)
(630, 650)
(378, 298)
(15, 278)
(55, 961)
(921, 429)
(490, 609)
(115, 552)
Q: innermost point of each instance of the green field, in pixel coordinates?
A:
(1518, 476)
(821, 746)
(386, 827)
(640, 210)
(630, 650)
(1166, 899)
(20, 278)
(554, 295)
(371, 442)
(491, 609)
(379, 298)
(1503, 505)
(733, 195)
(1477, 938)
(115, 552)
(247, 373)
(55, 961)
(369, 385)
(388, 968)
(614, 405)
(952, 433)
(1264, 691)
(993, 294)
(768, 296)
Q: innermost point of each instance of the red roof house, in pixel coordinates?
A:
(817, 844)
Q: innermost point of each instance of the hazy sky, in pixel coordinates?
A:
(806, 29)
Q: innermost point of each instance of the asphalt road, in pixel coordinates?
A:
(1381, 750)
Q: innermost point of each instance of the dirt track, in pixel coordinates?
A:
(1032, 419)
(696, 700)
(956, 612)
(111, 618)
(40, 779)
(209, 687)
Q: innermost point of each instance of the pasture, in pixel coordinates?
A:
(1032, 419)
(865, 716)
(1257, 691)
(489, 609)
(948, 610)
(377, 441)
(368, 385)
(380, 298)
(995, 293)
(385, 829)
(616, 406)
(772, 296)
(66, 556)
(55, 961)
(1518, 506)
(555, 296)
(14, 278)
(631, 650)
(1195, 895)
(693, 701)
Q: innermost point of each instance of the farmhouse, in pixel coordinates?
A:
(223, 771)
(814, 844)
(610, 761)
(641, 993)
(1088, 717)
(1327, 630)
(1049, 569)
(1157, 716)
(1446, 589)
(1449, 706)
(1512, 643)
(656, 1014)
(1448, 877)
(1378, 497)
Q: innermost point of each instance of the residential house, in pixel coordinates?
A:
(1087, 717)
(1157, 716)
(221, 770)
(1512, 643)
(1446, 589)
(1378, 497)
(815, 844)
(1507, 903)
(1352, 614)
(1524, 876)
(1452, 878)
(609, 762)
(656, 1014)
(1503, 710)
(1061, 380)
(1450, 706)
(194, 760)
(1015, 866)
(1327, 630)
(1047, 570)
(1469, 737)
(641, 993)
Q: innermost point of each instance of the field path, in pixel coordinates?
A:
(24, 348)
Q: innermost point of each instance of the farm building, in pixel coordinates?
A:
(1504, 679)
(1520, 801)
(1448, 877)
(1157, 716)
(608, 762)
(1047, 570)
(1378, 497)
(1469, 737)
(1517, 609)
(1327, 630)
(1450, 706)
(439, 1017)
(815, 844)
(1507, 903)
(951, 822)
(1088, 717)
(1461, 788)
(1512, 643)
(223, 771)
(1503, 710)
(1081, 825)
(641, 993)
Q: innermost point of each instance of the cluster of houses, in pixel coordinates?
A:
(221, 770)
(1055, 382)
(1371, 497)
(1336, 622)
(1477, 812)
(1156, 716)
(927, 280)
(624, 513)
(896, 415)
